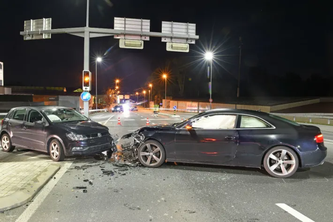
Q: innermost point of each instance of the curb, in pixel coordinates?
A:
(27, 193)
(165, 114)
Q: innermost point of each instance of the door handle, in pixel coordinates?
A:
(230, 137)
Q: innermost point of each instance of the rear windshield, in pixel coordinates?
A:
(284, 120)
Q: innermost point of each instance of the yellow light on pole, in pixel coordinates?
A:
(165, 77)
(117, 87)
(150, 91)
(137, 97)
(117, 80)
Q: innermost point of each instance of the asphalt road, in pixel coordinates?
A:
(176, 192)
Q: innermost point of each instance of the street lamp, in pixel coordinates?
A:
(165, 77)
(117, 81)
(98, 59)
(137, 97)
(151, 91)
(209, 56)
(144, 95)
(117, 87)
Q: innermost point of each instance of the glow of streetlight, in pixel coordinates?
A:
(144, 91)
(150, 85)
(164, 76)
(118, 92)
(209, 56)
(136, 93)
(99, 59)
(117, 80)
(117, 87)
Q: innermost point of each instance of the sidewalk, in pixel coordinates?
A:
(21, 181)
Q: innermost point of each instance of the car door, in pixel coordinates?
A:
(33, 131)
(212, 139)
(255, 134)
(15, 126)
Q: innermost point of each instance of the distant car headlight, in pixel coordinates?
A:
(118, 108)
(112, 108)
(76, 137)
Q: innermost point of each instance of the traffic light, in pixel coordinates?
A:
(86, 80)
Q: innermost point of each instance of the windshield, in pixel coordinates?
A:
(284, 119)
(56, 115)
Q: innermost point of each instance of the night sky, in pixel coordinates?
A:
(281, 36)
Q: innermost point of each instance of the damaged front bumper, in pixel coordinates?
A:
(127, 146)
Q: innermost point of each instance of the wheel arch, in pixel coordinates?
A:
(283, 145)
(50, 138)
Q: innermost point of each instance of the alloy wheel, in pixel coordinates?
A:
(54, 150)
(151, 154)
(281, 162)
(5, 142)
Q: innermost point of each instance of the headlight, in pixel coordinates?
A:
(76, 137)
(112, 108)
(118, 108)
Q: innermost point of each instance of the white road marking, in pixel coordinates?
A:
(38, 200)
(294, 213)
(108, 120)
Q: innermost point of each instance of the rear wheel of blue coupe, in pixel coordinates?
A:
(281, 162)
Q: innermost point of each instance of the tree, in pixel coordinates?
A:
(110, 96)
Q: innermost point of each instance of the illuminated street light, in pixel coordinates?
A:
(137, 97)
(98, 59)
(144, 96)
(209, 57)
(151, 91)
(165, 77)
(117, 80)
(117, 87)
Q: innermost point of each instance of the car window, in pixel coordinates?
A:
(34, 116)
(215, 122)
(63, 115)
(284, 120)
(19, 114)
(253, 122)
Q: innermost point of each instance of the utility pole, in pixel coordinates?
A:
(239, 65)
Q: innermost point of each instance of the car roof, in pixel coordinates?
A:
(238, 111)
(39, 108)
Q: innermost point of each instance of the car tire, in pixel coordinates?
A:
(6, 143)
(151, 154)
(56, 150)
(281, 162)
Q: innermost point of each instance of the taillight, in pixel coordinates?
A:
(319, 138)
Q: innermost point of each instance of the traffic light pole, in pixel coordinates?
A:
(86, 56)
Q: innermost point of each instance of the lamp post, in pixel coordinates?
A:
(209, 56)
(98, 59)
(144, 95)
(151, 91)
(137, 97)
(165, 77)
